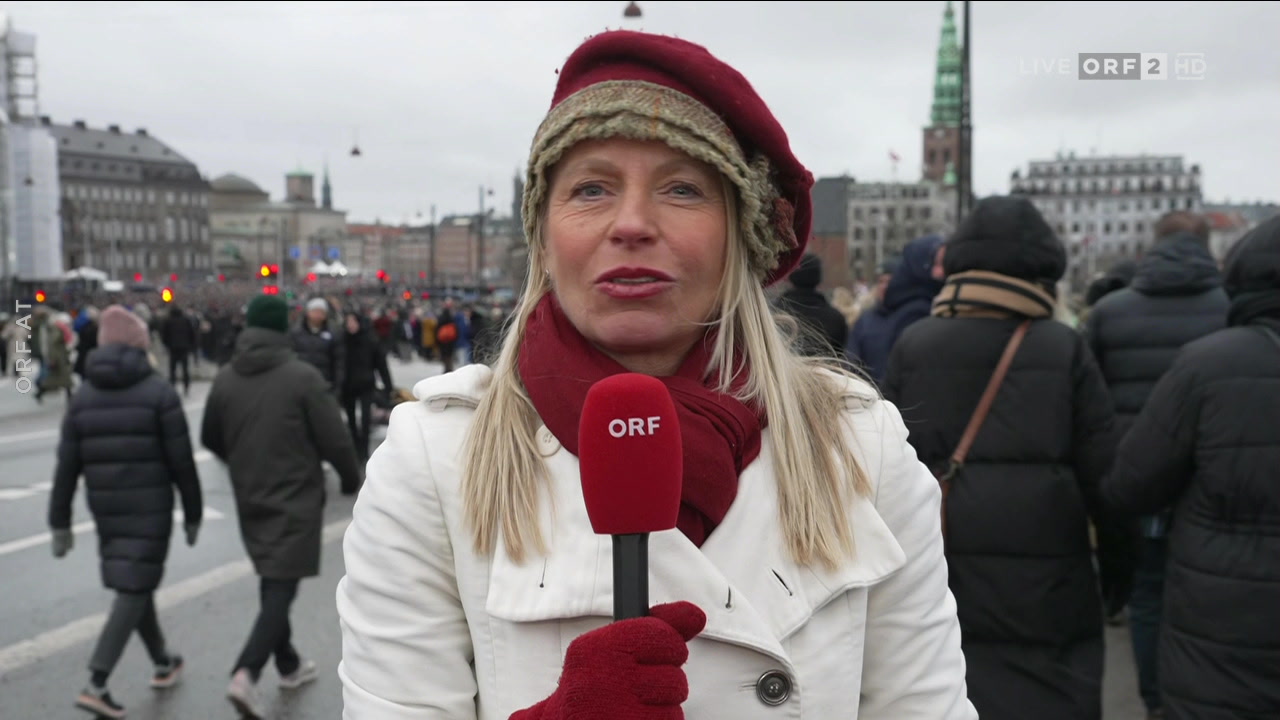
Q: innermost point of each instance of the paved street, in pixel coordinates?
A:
(51, 610)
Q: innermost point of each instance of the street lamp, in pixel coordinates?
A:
(632, 11)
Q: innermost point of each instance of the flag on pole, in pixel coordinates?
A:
(893, 156)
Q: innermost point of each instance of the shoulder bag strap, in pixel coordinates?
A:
(980, 414)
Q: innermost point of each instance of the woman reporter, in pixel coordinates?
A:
(806, 569)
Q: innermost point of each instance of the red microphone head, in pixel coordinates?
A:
(630, 456)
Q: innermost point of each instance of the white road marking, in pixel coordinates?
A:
(53, 432)
(14, 546)
(35, 649)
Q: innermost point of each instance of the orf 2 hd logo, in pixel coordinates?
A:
(1140, 66)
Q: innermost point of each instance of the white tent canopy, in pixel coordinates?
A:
(335, 269)
(85, 273)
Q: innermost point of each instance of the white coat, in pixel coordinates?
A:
(431, 630)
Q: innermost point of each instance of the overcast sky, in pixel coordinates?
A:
(445, 97)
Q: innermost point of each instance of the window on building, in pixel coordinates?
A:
(1124, 206)
(857, 213)
(168, 198)
(1190, 203)
(932, 155)
(1137, 204)
(1124, 228)
(1075, 227)
(1140, 227)
(153, 260)
(857, 233)
(871, 234)
(907, 212)
(925, 212)
(1106, 228)
(946, 156)
(170, 229)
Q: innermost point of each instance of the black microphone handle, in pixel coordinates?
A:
(630, 576)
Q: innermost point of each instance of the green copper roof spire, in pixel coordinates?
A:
(946, 83)
(326, 192)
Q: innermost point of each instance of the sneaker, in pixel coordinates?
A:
(168, 673)
(99, 701)
(243, 694)
(305, 673)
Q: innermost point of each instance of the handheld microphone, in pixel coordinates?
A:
(632, 464)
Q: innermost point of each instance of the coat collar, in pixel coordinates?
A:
(743, 577)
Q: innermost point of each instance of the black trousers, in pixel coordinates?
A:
(176, 358)
(271, 634)
(129, 612)
(359, 435)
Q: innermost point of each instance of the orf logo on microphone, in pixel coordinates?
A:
(631, 427)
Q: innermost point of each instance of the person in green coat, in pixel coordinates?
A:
(271, 418)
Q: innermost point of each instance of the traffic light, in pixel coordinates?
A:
(382, 275)
(270, 290)
(222, 278)
(137, 277)
(407, 295)
(40, 296)
(269, 271)
(173, 277)
(311, 277)
(166, 295)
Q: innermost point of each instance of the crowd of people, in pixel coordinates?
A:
(927, 506)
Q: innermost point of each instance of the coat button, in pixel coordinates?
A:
(773, 687)
(547, 443)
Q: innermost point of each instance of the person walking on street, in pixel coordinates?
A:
(365, 357)
(1135, 333)
(1205, 445)
(447, 335)
(272, 419)
(126, 431)
(822, 331)
(179, 337)
(315, 343)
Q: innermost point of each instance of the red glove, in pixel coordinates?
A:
(629, 670)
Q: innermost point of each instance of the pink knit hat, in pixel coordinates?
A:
(118, 325)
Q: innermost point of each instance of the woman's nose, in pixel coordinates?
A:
(636, 220)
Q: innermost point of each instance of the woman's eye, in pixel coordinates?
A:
(685, 190)
(589, 190)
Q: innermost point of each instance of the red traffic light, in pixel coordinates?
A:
(311, 277)
(426, 296)
(40, 296)
(137, 277)
(275, 269)
(173, 277)
(222, 277)
(407, 295)
(422, 274)
(270, 290)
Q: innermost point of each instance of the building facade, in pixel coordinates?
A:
(249, 229)
(883, 217)
(1105, 208)
(830, 241)
(131, 205)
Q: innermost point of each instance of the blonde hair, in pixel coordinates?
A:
(816, 471)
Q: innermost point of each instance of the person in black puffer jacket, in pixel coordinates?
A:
(365, 362)
(908, 298)
(1175, 297)
(1206, 443)
(127, 432)
(1018, 513)
(823, 329)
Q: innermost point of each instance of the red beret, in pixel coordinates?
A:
(692, 70)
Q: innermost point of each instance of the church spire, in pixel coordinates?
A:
(326, 192)
(946, 83)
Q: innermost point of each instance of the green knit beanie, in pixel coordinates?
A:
(269, 312)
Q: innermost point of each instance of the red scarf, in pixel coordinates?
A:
(721, 435)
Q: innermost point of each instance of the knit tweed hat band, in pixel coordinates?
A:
(650, 87)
